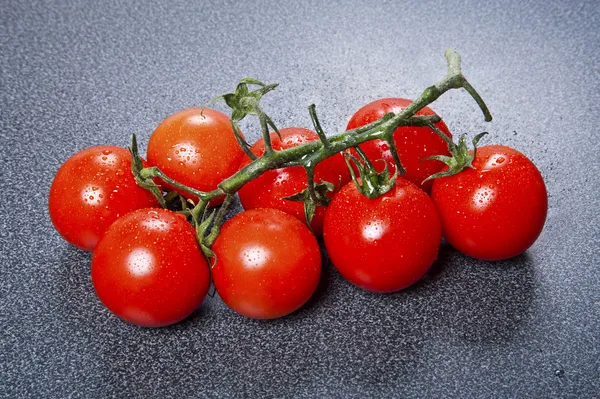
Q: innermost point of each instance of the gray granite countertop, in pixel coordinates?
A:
(81, 73)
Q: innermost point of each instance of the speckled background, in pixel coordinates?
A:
(82, 73)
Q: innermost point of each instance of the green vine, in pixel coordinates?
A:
(244, 102)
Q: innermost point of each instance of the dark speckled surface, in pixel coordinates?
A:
(81, 73)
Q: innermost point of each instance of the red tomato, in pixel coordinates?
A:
(268, 264)
(383, 244)
(413, 143)
(495, 211)
(270, 189)
(90, 191)
(196, 150)
(149, 270)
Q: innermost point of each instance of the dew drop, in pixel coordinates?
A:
(106, 152)
(500, 159)
(559, 373)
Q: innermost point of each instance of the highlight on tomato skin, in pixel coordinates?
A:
(268, 263)
(495, 211)
(197, 148)
(90, 191)
(384, 244)
(148, 268)
(271, 188)
(412, 142)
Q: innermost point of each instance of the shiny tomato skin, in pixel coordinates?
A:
(197, 148)
(149, 270)
(268, 263)
(413, 143)
(384, 244)
(90, 191)
(496, 210)
(270, 189)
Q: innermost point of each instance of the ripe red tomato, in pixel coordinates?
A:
(90, 191)
(384, 244)
(270, 189)
(149, 270)
(495, 211)
(413, 143)
(268, 263)
(197, 150)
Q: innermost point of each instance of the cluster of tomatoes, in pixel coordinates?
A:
(147, 266)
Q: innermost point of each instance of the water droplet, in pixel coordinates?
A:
(104, 158)
(500, 159)
(91, 197)
(106, 152)
(168, 158)
(183, 149)
(559, 373)
(120, 172)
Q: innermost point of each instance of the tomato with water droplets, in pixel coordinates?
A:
(268, 263)
(90, 191)
(197, 148)
(497, 209)
(270, 189)
(148, 268)
(413, 143)
(384, 244)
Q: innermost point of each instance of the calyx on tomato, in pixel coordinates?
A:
(460, 159)
(244, 102)
(318, 197)
(370, 183)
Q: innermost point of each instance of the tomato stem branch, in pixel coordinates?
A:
(244, 102)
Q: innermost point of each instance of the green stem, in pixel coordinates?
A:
(310, 154)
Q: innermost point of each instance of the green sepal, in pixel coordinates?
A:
(372, 184)
(460, 157)
(143, 176)
(202, 226)
(310, 206)
(238, 100)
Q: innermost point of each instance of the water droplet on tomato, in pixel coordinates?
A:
(500, 159)
(104, 158)
(169, 159)
(106, 152)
